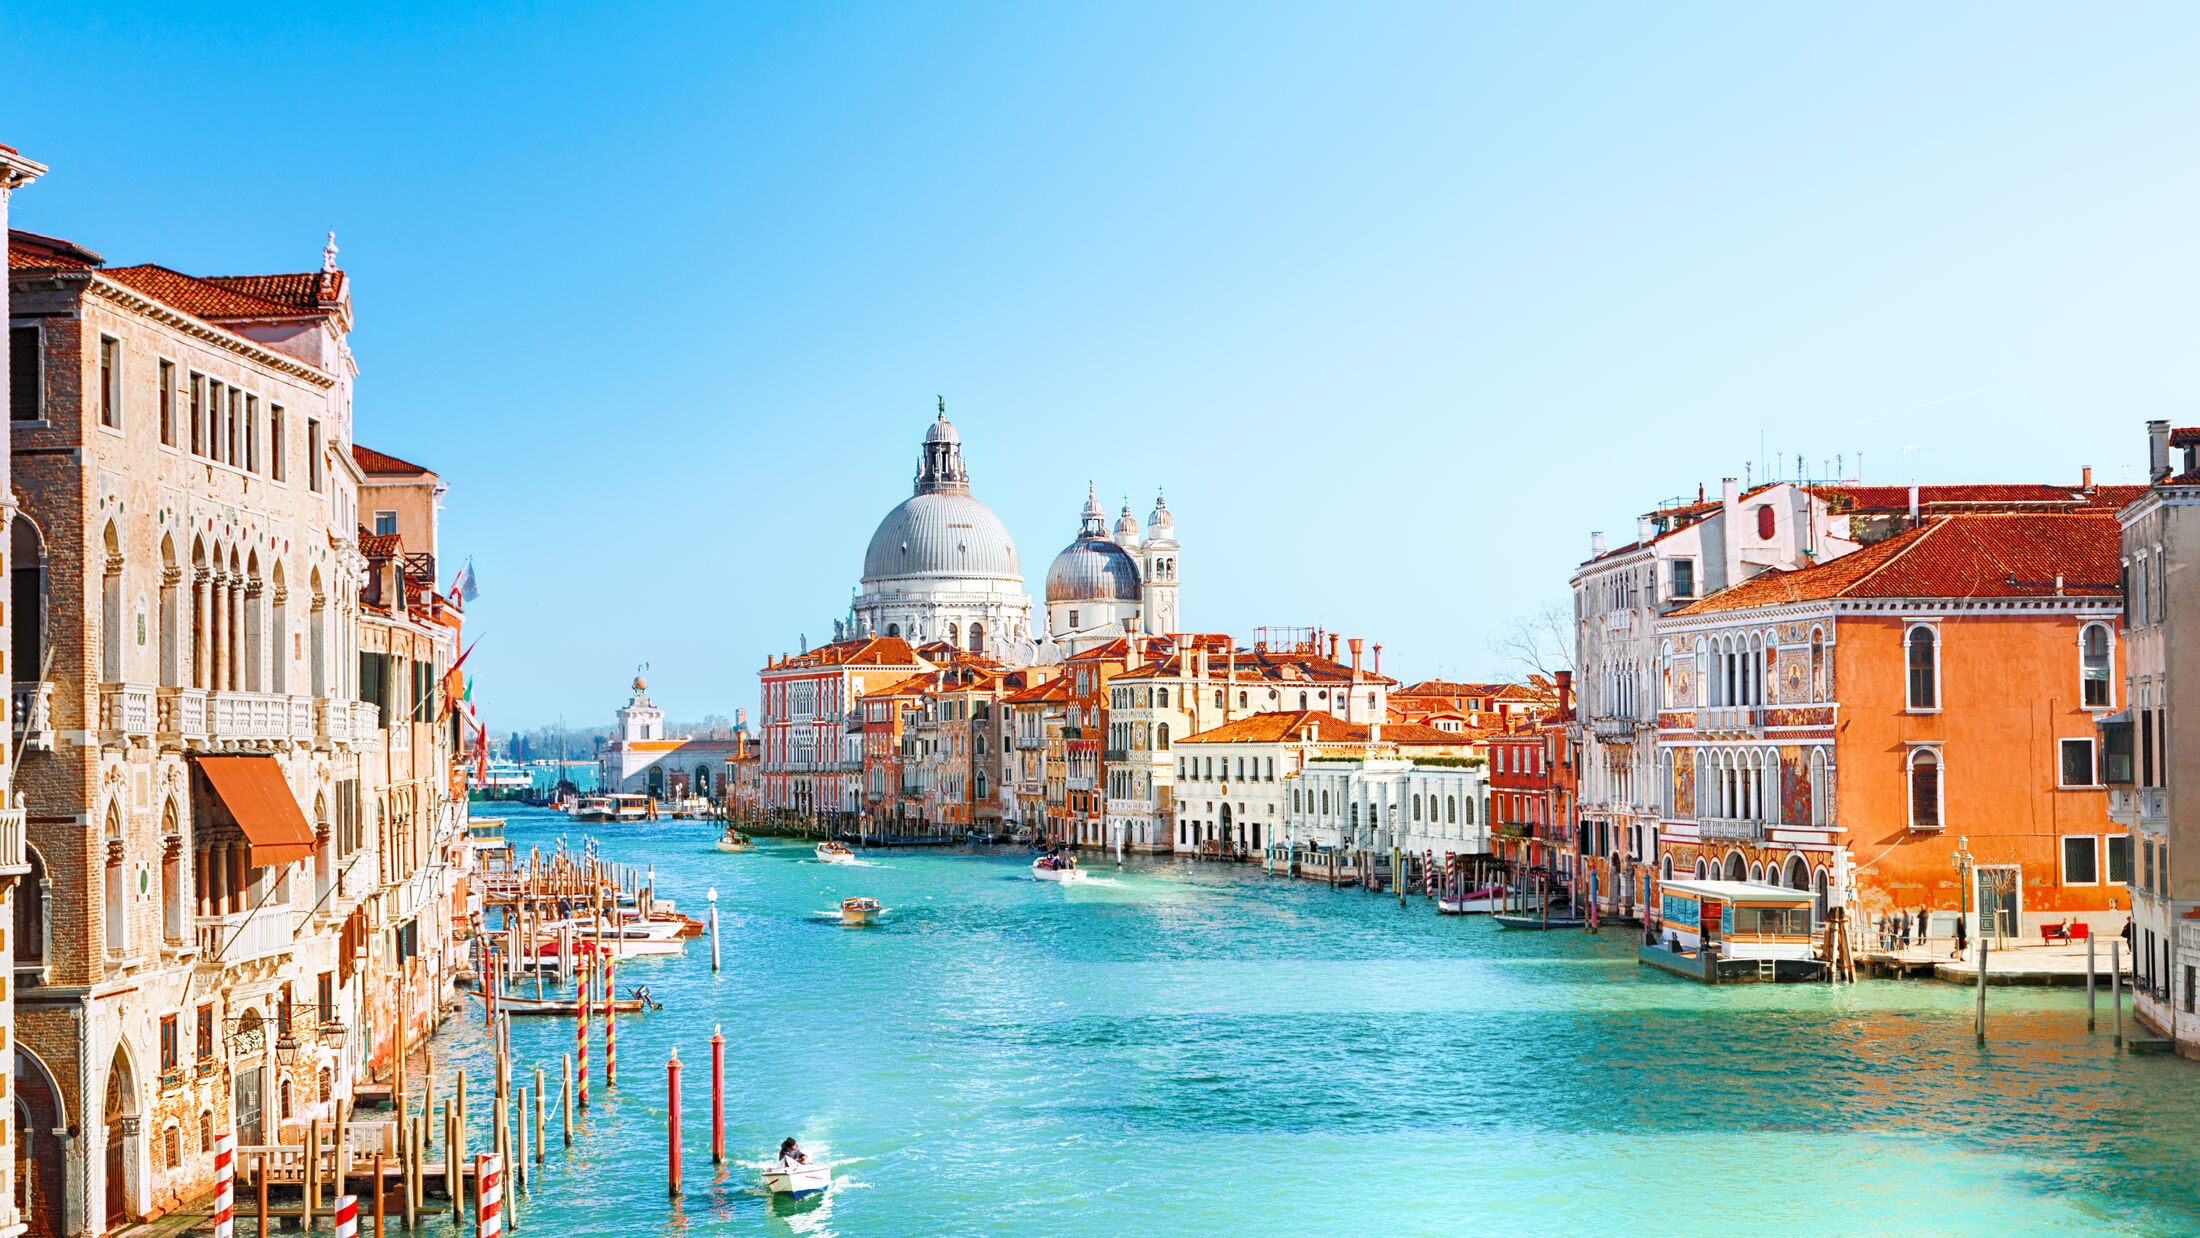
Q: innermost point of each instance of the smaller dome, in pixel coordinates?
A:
(1160, 523)
(1126, 525)
(1093, 569)
(1093, 514)
(942, 431)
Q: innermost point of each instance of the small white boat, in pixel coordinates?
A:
(1063, 870)
(783, 1179)
(859, 911)
(1486, 900)
(735, 841)
(834, 853)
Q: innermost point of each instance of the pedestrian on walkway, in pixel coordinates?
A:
(1963, 933)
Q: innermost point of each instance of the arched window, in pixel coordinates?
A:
(1164, 702)
(1756, 872)
(1818, 685)
(117, 917)
(1241, 700)
(1416, 807)
(1924, 668)
(954, 634)
(1218, 698)
(1820, 789)
(1161, 736)
(1451, 810)
(1925, 790)
(893, 629)
(1665, 868)
(977, 638)
(1700, 868)
(1735, 866)
(110, 609)
(2093, 666)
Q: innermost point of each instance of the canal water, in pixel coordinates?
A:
(1179, 1048)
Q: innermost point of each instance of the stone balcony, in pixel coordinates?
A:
(33, 705)
(1730, 830)
(127, 711)
(243, 936)
(1731, 719)
(199, 719)
(15, 856)
(1613, 728)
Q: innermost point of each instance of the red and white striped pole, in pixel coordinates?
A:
(347, 1216)
(225, 1185)
(489, 1195)
(580, 1033)
(672, 1117)
(610, 1025)
(717, 1096)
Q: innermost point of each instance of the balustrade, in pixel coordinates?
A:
(127, 709)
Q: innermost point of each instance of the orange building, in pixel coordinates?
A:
(1909, 726)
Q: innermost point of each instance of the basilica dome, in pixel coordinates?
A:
(941, 533)
(1093, 569)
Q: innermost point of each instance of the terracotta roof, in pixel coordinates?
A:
(1314, 726)
(915, 685)
(305, 292)
(380, 545)
(857, 651)
(2185, 436)
(1991, 497)
(32, 251)
(372, 461)
(1997, 555)
(1257, 666)
(197, 297)
(1050, 692)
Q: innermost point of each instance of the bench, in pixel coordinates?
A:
(2052, 933)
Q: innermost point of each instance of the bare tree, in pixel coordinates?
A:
(1540, 643)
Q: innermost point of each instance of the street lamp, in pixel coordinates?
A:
(1962, 861)
(286, 1051)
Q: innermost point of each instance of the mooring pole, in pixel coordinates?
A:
(1984, 949)
(717, 1096)
(2089, 983)
(672, 1119)
(2116, 985)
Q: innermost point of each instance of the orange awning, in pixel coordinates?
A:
(254, 792)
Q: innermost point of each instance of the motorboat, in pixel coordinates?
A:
(1053, 868)
(859, 911)
(806, 1178)
(568, 1007)
(735, 841)
(1488, 899)
(830, 852)
(1545, 919)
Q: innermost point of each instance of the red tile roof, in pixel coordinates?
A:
(305, 292)
(1049, 692)
(198, 297)
(1968, 556)
(1314, 726)
(380, 545)
(857, 651)
(32, 251)
(2185, 436)
(2003, 497)
(372, 461)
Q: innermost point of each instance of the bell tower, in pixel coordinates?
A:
(1157, 569)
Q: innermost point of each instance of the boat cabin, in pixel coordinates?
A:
(1722, 931)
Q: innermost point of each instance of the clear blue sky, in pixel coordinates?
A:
(1398, 304)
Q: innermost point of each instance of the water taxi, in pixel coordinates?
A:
(829, 852)
(1487, 899)
(1057, 868)
(610, 808)
(807, 1178)
(1721, 932)
(735, 841)
(859, 911)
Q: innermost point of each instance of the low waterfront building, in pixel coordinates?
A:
(1034, 785)
(640, 759)
(1235, 782)
(1910, 725)
(2151, 763)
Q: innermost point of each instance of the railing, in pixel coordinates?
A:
(244, 935)
(182, 713)
(366, 719)
(126, 708)
(259, 715)
(1115, 754)
(1612, 727)
(33, 703)
(333, 719)
(1742, 718)
(14, 847)
(1730, 829)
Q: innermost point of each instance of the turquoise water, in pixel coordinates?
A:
(1188, 1048)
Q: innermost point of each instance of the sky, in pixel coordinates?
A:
(1399, 303)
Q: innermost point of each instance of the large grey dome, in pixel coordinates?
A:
(941, 534)
(1093, 569)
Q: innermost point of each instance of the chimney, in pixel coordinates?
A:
(1644, 530)
(1332, 646)
(1378, 661)
(1596, 544)
(1913, 503)
(2085, 478)
(2157, 450)
(741, 717)
(1355, 644)
(1565, 692)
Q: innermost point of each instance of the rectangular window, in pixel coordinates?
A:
(168, 403)
(26, 375)
(385, 523)
(2146, 861)
(2077, 763)
(168, 1047)
(1923, 662)
(313, 455)
(215, 395)
(326, 995)
(198, 412)
(1684, 578)
(236, 426)
(2146, 748)
(2116, 753)
(111, 381)
(252, 433)
(275, 441)
(203, 1046)
(2081, 860)
(2119, 859)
